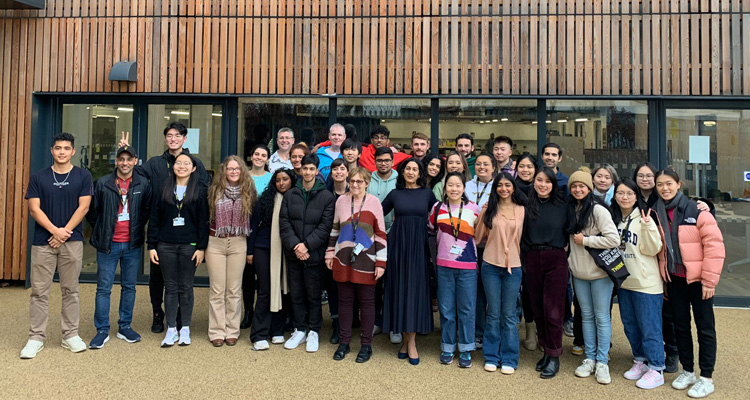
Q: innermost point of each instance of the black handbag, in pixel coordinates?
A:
(611, 261)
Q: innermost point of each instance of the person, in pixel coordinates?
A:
(526, 166)
(297, 152)
(454, 162)
(231, 198)
(465, 146)
(500, 224)
(357, 256)
(420, 145)
(337, 180)
(547, 266)
(261, 178)
(326, 155)
(280, 158)
(265, 252)
(695, 257)
(351, 150)
(644, 177)
(379, 137)
(58, 206)
(305, 221)
(640, 295)
(552, 156)
(407, 306)
(158, 170)
(456, 270)
(338, 185)
(177, 240)
(502, 149)
(118, 214)
(435, 168)
(604, 178)
(590, 225)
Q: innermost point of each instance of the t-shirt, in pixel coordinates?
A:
(122, 228)
(275, 162)
(58, 198)
(261, 182)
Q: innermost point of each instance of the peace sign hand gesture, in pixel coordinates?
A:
(646, 217)
(124, 139)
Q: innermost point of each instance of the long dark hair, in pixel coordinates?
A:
(493, 204)
(532, 206)
(630, 184)
(267, 150)
(461, 176)
(580, 213)
(264, 207)
(401, 182)
(431, 182)
(192, 192)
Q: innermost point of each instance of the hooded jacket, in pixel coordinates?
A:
(307, 217)
(643, 243)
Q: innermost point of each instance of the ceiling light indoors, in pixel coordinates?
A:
(581, 119)
(181, 112)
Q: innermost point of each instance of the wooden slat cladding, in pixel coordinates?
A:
(441, 47)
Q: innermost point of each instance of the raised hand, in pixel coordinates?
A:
(646, 217)
(124, 139)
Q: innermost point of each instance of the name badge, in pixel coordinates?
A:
(179, 221)
(455, 249)
(358, 249)
(123, 216)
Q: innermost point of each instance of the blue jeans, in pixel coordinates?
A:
(594, 298)
(641, 319)
(457, 295)
(130, 261)
(501, 333)
(481, 314)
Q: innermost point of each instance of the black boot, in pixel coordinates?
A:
(158, 325)
(335, 334)
(551, 369)
(672, 363)
(247, 320)
(364, 354)
(542, 363)
(341, 352)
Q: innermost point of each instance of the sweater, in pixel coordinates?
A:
(446, 257)
(195, 229)
(478, 191)
(503, 247)
(642, 243)
(548, 228)
(369, 234)
(380, 188)
(601, 233)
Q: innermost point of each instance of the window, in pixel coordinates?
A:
(403, 117)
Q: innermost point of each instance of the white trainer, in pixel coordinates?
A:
(312, 342)
(396, 338)
(507, 370)
(184, 336)
(74, 344)
(490, 367)
(31, 349)
(261, 345)
(170, 338)
(586, 368)
(636, 371)
(684, 380)
(602, 374)
(297, 338)
(701, 389)
(277, 339)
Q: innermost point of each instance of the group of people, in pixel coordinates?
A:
(390, 238)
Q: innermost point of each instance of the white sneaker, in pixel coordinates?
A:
(376, 330)
(602, 374)
(294, 341)
(396, 338)
(507, 370)
(490, 367)
(74, 344)
(170, 338)
(312, 342)
(650, 380)
(261, 345)
(277, 339)
(184, 336)
(636, 371)
(701, 389)
(586, 368)
(31, 349)
(684, 380)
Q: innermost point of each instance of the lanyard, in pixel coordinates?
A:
(622, 234)
(355, 222)
(123, 193)
(457, 228)
(480, 194)
(178, 202)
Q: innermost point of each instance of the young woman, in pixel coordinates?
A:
(435, 168)
(456, 269)
(337, 180)
(177, 240)
(351, 150)
(338, 185)
(545, 238)
(298, 151)
(644, 177)
(500, 224)
(695, 256)
(230, 202)
(456, 162)
(591, 226)
(525, 171)
(406, 306)
(604, 178)
(357, 256)
(640, 296)
(265, 252)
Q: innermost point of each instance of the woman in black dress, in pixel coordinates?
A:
(407, 291)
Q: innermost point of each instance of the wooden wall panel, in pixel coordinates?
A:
(430, 47)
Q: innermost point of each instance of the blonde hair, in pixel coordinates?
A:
(246, 183)
(363, 172)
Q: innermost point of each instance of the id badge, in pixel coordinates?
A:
(358, 249)
(179, 221)
(455, 249)
(123, 216)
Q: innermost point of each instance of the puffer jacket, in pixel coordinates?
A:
(307, 217)
(701, 246)
(582, 265)
(643, 243)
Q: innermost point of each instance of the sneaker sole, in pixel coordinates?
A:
(464, 366)
(65, 346)
(31, 357)
(508, 372)
(121, 336)
(100, 346)
(183, 344)
(648, 387)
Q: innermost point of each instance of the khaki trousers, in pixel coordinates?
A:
(225, 259)
(68, 261)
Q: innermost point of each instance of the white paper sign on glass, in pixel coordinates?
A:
(699, 153)
(193, 140)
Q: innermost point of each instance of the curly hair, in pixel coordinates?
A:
(264, 206)
(246, 183)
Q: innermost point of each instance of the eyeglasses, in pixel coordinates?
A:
(233, 169)
(357, 182)
(183, 164)
(174, 136)
(383, 161)
(625, 194)
(645, 176)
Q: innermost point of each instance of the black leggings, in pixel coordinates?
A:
(683, 297)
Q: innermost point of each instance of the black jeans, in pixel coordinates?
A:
(156, 287)
(682, 296)
(179, 272)
(265, 322)
(248, 287)
(333, 292)
(305, 286)
(667, 328)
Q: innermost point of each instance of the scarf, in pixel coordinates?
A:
(524, 186)
(671, 233)
(278, 260)
(229, 221)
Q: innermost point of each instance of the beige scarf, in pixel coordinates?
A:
(278, 261)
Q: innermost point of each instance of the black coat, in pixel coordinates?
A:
(159, 168)
(307, 221)
(105, 205)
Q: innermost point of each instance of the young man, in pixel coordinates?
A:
(305, 222)
(379, 137)
(551, 156)
(59, 197)
(157, 170)
(326, 155)
(280, 159)
(351, 150)
(465, 146)
(119, 212)
(502, 149)
(420, 145)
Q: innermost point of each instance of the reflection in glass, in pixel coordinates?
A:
(403, 117)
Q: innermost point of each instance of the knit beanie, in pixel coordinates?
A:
(583, 177)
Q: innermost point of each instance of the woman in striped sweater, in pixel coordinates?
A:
(357, 255)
